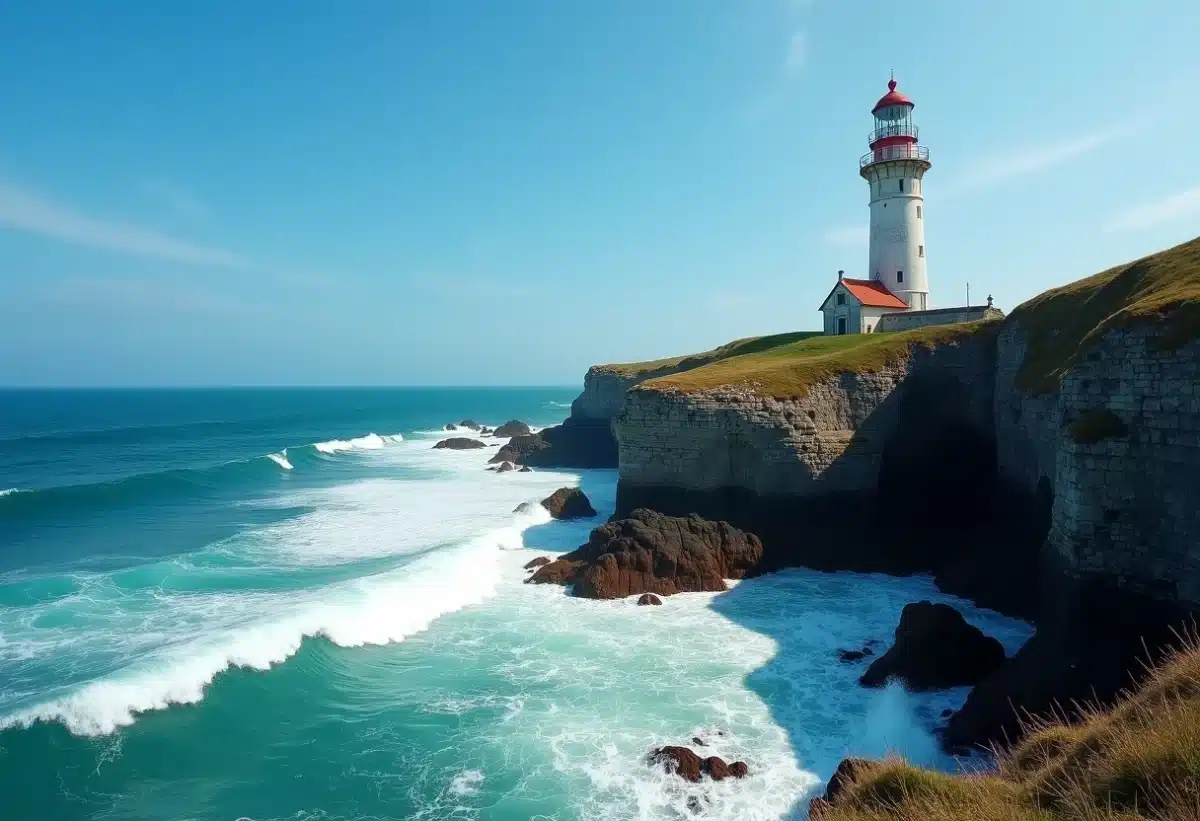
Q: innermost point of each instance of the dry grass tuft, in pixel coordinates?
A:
(1139, 761)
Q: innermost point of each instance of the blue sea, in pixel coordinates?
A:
(285, 604)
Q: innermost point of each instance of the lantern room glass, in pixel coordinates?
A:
(894, 121)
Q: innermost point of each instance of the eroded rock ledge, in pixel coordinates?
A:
(648, 552)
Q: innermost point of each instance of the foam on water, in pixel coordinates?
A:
(9, 491)
(372, 441)
(131, 645)
(280, 459)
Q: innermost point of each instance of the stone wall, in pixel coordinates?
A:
(907, 320)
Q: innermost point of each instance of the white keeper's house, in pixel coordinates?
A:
(895, 294)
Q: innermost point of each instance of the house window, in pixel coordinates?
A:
(841, 299)
(919, 212)
(899, 276)
(920, 250)
(901, 185)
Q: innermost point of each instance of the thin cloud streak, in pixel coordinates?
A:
(28, 213)
(1011, 163)
(1149, 214)
(140, 298)
(179, 199)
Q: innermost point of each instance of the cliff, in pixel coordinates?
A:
(1047, 465)
(585, 439)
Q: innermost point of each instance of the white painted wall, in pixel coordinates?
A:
(897, 232)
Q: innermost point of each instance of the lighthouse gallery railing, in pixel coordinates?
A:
(895, 152)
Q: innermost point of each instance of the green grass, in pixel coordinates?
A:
(1064, 323)
(790, 369)
(1095, 425)
(1139, 761)
(751, 344)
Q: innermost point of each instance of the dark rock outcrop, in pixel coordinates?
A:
(839, 782)
(533, 564)
(505, 467)
(485, 430)
(513, 427)
(652, 553)
(573, 444)
(851, 656)
(935, 648)
(650, 598)
(690, 767)
(522, 450)
(469, 424)
(449, 426)
(568, 503)
(459, 443)
(524, 507)
(525, 469)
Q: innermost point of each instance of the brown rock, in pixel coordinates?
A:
(505, 467)
(650, 598)
(533, 564)
(842, 778)
(653, 553)
(459, 443)
(689, 766)
(513, 427)
(935, 648)
(568, 503)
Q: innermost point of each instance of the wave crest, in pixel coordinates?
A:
(372, 441)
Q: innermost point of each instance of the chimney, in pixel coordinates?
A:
(840, 275)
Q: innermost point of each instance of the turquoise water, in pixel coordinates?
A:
(285, 605)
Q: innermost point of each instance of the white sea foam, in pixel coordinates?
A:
(372, 441)
(466, 783)
(9, 491)
(280, 459)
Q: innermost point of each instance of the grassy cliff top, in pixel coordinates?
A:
(1138, 761)
(789, 369)
(751, 344)
(1065, 322)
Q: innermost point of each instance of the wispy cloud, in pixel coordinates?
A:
(27, 212)
(848, 236)
(140, 297)
(177, 198)
(1006, 163)
(797, 54)
(1164, 210)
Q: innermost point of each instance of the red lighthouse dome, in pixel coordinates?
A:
(895, 134)
(893, 97)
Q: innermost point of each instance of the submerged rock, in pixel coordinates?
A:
(935, 648)
(851, 656)
(459, 443)
(524, 507)
(469, 424)
(690, 767)
(652, 553)
(650, 598)
(505, 467)
(513, 427)
(568, 503)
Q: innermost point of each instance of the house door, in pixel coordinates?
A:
(841, 326)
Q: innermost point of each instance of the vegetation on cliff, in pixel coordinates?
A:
(1065, 322)
(789, 370)
(1139, 760)
(751, 344)
(1096, 425)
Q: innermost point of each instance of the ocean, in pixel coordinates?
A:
(285, 604)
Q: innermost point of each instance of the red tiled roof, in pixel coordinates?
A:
(872, 293)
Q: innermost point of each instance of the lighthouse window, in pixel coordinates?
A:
(919, 212)
(920, 250)
(901, 185)
(899, 276)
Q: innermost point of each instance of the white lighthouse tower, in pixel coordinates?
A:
(895, 169)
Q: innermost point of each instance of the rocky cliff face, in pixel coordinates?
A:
(1079, 507)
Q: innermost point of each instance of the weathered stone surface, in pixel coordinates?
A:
(513, 427)
(651, 553)
(650, 598)
(689, 766)
(935, 648)
(568, 503)
(469, 424)
(533, 564)
(459, 443)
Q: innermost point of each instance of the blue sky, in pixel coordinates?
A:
(497, 193)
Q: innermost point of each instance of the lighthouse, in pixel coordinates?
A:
(895, 170)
